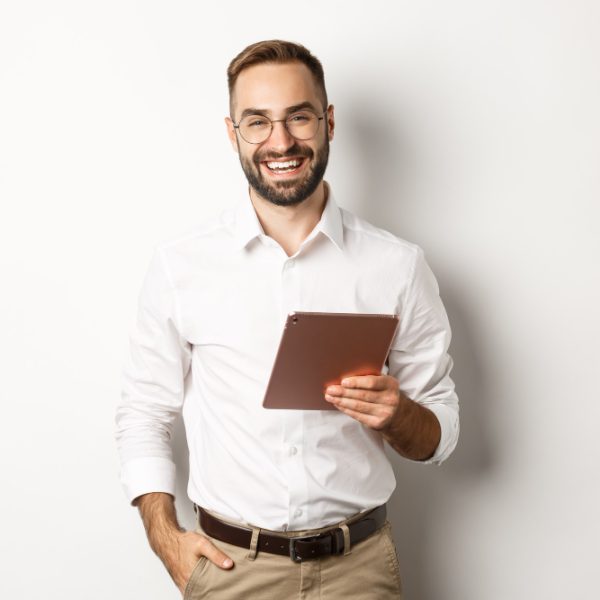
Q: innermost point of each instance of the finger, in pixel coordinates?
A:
(367, 382)
(365, 419)
(353, 404)
(387, 397)
(364, 395)
(216, 556)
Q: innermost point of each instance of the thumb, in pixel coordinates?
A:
(216, 556)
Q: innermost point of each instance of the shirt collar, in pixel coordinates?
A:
(331, 223)
(247, 226)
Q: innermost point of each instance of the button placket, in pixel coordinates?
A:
(294, 468)
(290, 287)
(295, 471)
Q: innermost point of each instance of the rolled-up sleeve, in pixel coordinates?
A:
(419, 356)
(152, 386)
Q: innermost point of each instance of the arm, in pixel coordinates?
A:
(153, 387)
(414, 406)
(152, 397)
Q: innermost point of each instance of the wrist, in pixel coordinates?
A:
(160, 521)
(399, 419)
(413, 431)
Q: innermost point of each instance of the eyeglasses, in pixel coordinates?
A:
(302, 125)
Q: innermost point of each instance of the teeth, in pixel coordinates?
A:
(283, 165)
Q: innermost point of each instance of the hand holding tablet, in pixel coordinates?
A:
(320, 349)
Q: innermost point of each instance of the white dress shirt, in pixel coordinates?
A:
(210, 318)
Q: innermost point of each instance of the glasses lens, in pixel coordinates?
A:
(302, 125)
(255, 128)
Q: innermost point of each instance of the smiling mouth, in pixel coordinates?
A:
(288, 166)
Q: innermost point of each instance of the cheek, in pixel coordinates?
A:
(248, 159)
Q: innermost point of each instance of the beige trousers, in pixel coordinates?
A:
(369, 571)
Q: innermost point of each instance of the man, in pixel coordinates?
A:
(210, 318)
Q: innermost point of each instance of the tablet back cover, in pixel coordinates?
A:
(320, 349)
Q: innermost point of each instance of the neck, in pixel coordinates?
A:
(290, 225)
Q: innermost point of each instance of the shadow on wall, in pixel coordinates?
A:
(424, 493)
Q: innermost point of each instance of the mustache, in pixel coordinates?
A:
(293, 152)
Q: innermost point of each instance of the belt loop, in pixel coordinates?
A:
(347, 549)
(253, 544)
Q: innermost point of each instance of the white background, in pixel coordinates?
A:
(471, 128)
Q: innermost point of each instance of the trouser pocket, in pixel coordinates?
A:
(193, 586)
(391, 554)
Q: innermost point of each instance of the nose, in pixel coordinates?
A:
(280, 138)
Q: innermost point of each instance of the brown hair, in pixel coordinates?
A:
(276, 51)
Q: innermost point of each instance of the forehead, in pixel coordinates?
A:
(273, 86)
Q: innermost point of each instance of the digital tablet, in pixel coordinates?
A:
(320, 349)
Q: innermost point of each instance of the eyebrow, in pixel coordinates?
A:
(288, 110)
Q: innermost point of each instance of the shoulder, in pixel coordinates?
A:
(208, 234)
(363, 236)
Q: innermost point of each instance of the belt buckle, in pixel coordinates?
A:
(336, 547)
(293, 555)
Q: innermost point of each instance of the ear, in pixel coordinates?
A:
(330, 121)
(231, 134)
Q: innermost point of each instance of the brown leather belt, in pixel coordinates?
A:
(297, 548)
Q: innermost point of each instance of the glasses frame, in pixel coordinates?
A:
(284, 121)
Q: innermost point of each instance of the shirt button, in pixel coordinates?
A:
(290, 264)
(298, 512)
(293, 450)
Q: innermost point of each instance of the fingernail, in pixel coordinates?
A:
(227, 563)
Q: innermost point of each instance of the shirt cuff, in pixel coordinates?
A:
(148, 474)
(448, 420)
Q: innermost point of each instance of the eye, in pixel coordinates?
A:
(256, 122)
(299, 118)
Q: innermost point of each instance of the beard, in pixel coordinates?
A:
(287, 192)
